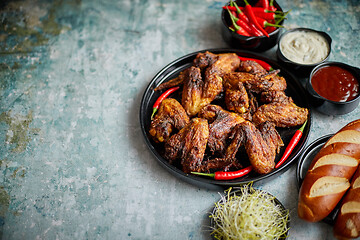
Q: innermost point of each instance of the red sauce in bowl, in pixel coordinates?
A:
(335, 83)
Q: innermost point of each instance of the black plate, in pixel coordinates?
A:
(304, 162)
(294, 89)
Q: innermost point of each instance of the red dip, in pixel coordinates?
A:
(335, 83)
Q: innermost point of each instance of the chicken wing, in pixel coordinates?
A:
(236, 96)
(221, 124)
(171, 115)
(202, 87)
(188, 145)
(252, 67)
(256, 83)
(261, 147)
(282, 114)
(274, 96)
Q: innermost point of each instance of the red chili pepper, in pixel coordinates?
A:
(271, 29)
(265, 23)
(271, 6)
(261, 62)
(238, 29)
(253, 29)
(240, 14)
(293, 142)
(161, 98)
(221, 175)
(244, 25)
(269, 15)
(264, 3)
(250, 14)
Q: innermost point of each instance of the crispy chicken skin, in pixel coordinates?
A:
(261, 147)
(171, 115)
(255, 83)
(192, 91)
(202, 86)
(221, 124)
(271, 136)
(220, 164)
(282, 114)
(188, 145)
(252, 67)
(203, 60)
(274, 96)
(236, 96)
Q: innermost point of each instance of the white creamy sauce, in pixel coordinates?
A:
(304, 47)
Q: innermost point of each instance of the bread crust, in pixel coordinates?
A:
(328, 177)
(347, 223)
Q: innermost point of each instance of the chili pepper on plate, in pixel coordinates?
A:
(293, 142)
(161, 98)
(221, 175)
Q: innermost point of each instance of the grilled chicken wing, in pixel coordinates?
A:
(257, 84)
(221, 124)
(260, 145)
(188, 145)
(236, 96)
(282, 114)
(274, 96)
(203, 60)
(170, 115)
(202, 87)
(252, 67)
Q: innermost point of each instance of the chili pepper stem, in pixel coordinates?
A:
(153, 113)
(303, 126)
(204, 174)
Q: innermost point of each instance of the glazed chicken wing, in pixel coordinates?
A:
(221, 124)
(188, 145)
(171, 115)
(282, 114)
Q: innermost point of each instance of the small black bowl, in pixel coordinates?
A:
(256, 44)
(329, 107)
(296, 65)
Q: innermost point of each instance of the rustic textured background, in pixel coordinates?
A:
(73, 164)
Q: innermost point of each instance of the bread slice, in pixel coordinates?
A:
(349, 136)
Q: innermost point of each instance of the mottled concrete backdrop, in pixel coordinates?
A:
(73, 163)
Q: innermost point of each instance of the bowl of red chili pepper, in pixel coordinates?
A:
(252, 24)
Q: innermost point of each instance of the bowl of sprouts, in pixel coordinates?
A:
(248, 213)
